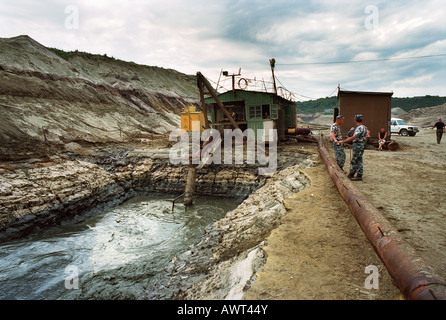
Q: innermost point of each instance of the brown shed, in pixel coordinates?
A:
(374, 106)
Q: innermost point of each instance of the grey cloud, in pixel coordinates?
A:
(210, 35)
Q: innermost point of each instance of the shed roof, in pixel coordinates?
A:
(346, 92)
(243, 94)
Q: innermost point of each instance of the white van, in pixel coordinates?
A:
(400, 126)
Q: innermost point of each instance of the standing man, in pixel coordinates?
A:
(440, 129)
(358, 149)
(336, 137)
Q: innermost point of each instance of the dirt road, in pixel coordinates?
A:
(409, 187)
(319, 250)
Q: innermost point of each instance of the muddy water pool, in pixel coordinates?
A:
(51, 263)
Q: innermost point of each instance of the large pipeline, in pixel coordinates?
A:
(415, 279)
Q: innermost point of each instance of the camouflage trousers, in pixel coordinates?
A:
(357, 159)
(340, 154)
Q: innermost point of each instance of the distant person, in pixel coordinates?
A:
(266, 116)
(382, 136)
(440, 130)
(358, 138)
(336, 137)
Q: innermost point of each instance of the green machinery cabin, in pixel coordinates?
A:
(254, 110)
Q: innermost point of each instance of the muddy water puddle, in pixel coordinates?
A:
(50, 264)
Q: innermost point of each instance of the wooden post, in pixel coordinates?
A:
(190, 185)
(203, 105)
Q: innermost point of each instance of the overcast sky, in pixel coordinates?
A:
(208, 36)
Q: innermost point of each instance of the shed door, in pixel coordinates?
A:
(281, 124)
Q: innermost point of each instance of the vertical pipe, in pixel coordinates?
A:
(273, 64)
(190, 185)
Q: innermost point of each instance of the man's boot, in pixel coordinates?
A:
(357, 178)
(351, 176)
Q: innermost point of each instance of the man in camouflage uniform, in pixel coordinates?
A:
(336, 137)
(358, 149)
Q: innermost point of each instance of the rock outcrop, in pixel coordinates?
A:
(44, 194)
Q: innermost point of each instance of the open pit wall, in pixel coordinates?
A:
(49, 193)
(40, 193)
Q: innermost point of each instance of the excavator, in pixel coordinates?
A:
(191, 115)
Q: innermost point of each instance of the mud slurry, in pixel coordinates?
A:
(224, 263)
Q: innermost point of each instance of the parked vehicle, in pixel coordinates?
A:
(400, 126)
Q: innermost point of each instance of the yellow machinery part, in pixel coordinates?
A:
(188, 119)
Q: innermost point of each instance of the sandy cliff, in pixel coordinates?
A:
(46, 100)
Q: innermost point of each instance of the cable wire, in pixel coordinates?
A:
(359, 61)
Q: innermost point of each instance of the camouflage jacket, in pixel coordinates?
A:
(360, 133)
(337, 131)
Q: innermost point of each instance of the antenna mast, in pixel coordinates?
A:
(272, 62)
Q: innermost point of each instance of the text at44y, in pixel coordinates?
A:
(229, 309)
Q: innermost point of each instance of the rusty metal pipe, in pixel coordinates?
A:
(415, 279)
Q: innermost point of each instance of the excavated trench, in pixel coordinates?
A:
(217, 258)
